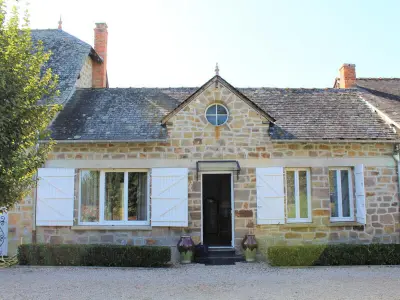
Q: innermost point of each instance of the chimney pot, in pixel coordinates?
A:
(347, 76)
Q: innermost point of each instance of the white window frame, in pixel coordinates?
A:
(216, 114)
(297, 196)
(102, 188)
(340, 217)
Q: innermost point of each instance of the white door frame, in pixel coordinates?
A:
(232, 205)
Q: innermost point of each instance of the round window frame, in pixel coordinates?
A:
(216, 104)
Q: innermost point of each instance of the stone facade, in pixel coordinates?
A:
(244, 138)
(85, 76)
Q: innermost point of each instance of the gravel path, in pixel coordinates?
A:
(242, 281)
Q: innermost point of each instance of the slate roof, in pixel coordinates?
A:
(383, 93)
(135, 114)
(67, 59)
(322, 114)
(117, 114)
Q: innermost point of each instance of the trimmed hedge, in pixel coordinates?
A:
(93, 255)
(334, 255)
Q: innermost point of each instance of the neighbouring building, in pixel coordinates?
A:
(144, 166)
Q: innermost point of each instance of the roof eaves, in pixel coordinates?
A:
(101, 141)
(330, 140)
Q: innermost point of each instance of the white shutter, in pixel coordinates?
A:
(360, 194)
(3, 233)
(270, 196)
(169, 197)
(55, 197)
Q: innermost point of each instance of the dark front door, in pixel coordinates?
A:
(217, 210)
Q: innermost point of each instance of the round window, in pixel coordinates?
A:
(217, 114)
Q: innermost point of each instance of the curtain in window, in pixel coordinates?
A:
(137, 196)
(90, 196)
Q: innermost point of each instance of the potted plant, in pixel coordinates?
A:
(186, 249)
(249, 245)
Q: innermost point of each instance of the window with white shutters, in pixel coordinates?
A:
(341, 194)
(298, 195)
(114, 197)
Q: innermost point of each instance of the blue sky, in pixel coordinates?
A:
(256, 43)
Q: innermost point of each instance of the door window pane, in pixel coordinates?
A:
(90, 196)
(137, 196)
(291, 203)
(114, 196)
(333, 193)
(344, 174)
(303, 194)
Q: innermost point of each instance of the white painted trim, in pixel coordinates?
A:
(300, 162)
(298, 219)
(102, 187)
(340, 217)
(232, 206)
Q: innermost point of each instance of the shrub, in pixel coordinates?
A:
(93, 255)
(334, 255)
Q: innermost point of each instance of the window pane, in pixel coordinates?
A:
(114, 197)
(333, 193)
(137, 196)
(212, 110)
(291, 205)
(344, 180)
(90, 196)
(221, 119)
(303, 194)
(221, 110)
(212, 119)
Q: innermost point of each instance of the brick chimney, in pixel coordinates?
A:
(99, 70)
(347, 76)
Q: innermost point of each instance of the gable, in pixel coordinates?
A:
(215, 83)
(245, 128)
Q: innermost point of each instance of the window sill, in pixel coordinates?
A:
(313, 225)
(111, 227)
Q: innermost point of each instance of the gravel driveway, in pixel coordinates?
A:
(242, 281)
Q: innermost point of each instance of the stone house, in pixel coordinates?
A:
(144, 166)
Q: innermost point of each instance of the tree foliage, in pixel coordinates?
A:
(27, 90)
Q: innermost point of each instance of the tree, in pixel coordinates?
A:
(27, 90)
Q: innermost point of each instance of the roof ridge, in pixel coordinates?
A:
(336, 90)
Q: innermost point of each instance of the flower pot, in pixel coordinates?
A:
(186, 249)
(249, 245)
